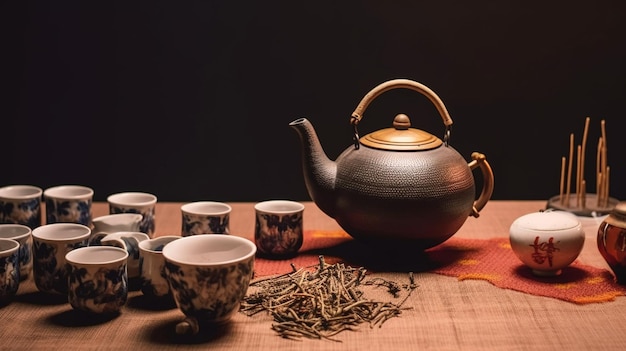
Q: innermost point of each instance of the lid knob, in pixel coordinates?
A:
(401, 122)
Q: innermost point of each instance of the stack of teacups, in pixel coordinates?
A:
(23, 235)
(67, 257)
(41, 248)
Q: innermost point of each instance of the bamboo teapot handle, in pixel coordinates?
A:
(357, 115)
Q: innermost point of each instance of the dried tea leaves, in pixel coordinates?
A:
(322, 302)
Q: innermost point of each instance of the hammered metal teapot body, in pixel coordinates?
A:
(398, 185)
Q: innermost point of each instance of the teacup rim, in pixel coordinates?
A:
(26, 230)
(38, 232)
(191, 208)
(55, 192)
(167, 249)
(115, 199)
(36, 192)
(14, 245)
(265, 206)
(69, 257)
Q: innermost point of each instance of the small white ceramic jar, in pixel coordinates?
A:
(547, 241)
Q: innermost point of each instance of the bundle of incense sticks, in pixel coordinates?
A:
(602, 171)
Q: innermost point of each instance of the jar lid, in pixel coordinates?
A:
(617, 217)
(547, 221)
(401, 137)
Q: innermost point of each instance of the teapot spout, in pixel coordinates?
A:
(319, 171)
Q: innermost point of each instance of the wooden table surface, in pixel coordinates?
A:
(446, 314)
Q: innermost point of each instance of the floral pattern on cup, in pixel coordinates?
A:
(205, 217)
(9, 269)
(68, 204)
(50, 271)
(152, 268)
(68, 211)
(51, 242)
(94, 285)
(195, 225)
(208, 281)
(21, 204)
(278, 227)
(136, 202)
(21, 234)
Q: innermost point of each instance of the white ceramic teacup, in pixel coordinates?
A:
(23, 235)
(51, 242)
(208, 276)
(278, 227)
(21, 204)
(205, 217)
(68, 204)
(97, 279)
(136, 202)
(9, 269)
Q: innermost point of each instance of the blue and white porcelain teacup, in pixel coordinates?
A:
(208, 276)
(278, 229)
(68, 204)
(129, 241)
(205, 217)
(9, 269)
(21, 204)
(97, 279)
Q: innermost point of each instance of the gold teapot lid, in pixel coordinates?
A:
(401, 137)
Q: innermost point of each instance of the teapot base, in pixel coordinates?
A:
(399, 245)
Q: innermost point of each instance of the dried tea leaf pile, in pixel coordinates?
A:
(324, 301)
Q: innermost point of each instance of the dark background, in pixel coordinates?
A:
(191, 100)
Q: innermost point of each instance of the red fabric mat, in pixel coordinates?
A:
(491, 260)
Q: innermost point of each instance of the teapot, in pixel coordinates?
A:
(398, 186)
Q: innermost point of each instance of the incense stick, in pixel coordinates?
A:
(569, 168)
(581, 167)
(578, 176)
(562, 184)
